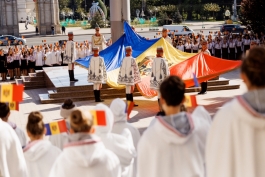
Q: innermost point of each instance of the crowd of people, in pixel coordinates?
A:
(179, 143)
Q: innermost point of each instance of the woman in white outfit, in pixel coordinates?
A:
(85, 155)
(39, 154)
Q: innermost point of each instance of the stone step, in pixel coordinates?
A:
(110, 91)
(78, 88)
(36, 78)
(213, 88)
(34, 83)
(216, 78)
(37, 73)
(44, 98)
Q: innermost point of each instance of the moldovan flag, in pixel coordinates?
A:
(11, 93)
(190, 101)
(130, 105)
(13, 105)
(99, 117)
(54, 128)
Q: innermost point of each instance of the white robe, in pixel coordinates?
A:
(48, 60)
(158, 73)
(168, 39)
(129, 73)
(39, 58)
(118, 144)
(20, 134)
(164, 151)
(12, 162)
(70, 52)
(54, 57)
(97, 70)
(118, 108)
(86, 158)
(235, 144)
(99, 41)
(40, 156)
(81, 53)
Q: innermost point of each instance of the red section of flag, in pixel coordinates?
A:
(101, 118)
(193, 101)
(18, 93)
(130, 106)
(62, 126)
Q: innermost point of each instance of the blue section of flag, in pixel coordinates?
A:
(114, 54)
(196, 83)
(48, 129)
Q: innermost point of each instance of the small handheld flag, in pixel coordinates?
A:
(130, 105)
(190, 101)
(196, 83)
(11, 93)
(13, 105)
(54, 128)
(99, 117)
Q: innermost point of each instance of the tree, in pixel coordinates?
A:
(63, 4)
(211, 7)
(103, 7)
(178, 17)
(97, 19)
(252, 13)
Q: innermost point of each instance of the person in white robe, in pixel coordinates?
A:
(173, 145)
(129, 74)
(4, 115)
(121, 145)
(54, 56)
(39, 56)
(159, 72)
(12, 162)
(47, 57)
(165, 36)
(98, 40)
(97, 73)
(39, 154)
(61, 139)
(118, 108)
(85, 155)
(235, 144)
(82, 52)
(70, 56)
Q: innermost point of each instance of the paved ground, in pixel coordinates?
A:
(140, 117)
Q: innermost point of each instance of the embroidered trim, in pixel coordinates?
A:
(30, 145)
(80, 143)
(248, 107)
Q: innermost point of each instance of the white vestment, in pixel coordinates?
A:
(48, 60)
(39, 58)
(12, 162)
(40, 156)
(54, 57)
(99, 41)
(129, 72)
(235, 144)
(86, 158)
(168, 39)
(118, 108)
(164, 151)
(118, 144)
(70, 52)
(158, 73)
(20, 134)
(59, 140)
(97, 70)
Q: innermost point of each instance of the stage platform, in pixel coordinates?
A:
(56, 80)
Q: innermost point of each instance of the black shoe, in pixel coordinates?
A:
(72, 77)
(202, 93)
(97, 98)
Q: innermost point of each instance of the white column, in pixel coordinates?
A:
(126, 11)
(116, 19)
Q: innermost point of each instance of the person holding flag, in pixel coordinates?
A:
(39, 154)
(159, 72)
(97, 73)
(129, 74)
(207, 52)
(98, 40)
(70, 56)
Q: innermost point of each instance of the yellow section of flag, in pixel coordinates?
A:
(6, 93)
(94, 116)
(54, 128)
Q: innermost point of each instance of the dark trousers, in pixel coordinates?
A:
(217, 53)
(232, 53)
(225, 53)
(238, 53)
(246, 47)
(188, 50)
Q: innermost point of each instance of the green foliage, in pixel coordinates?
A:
(63, 4)
(97, 19)
(252, 12)
(81, 12)
(211, 7)
(177, 17)
(103, 7)
(164, 20)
